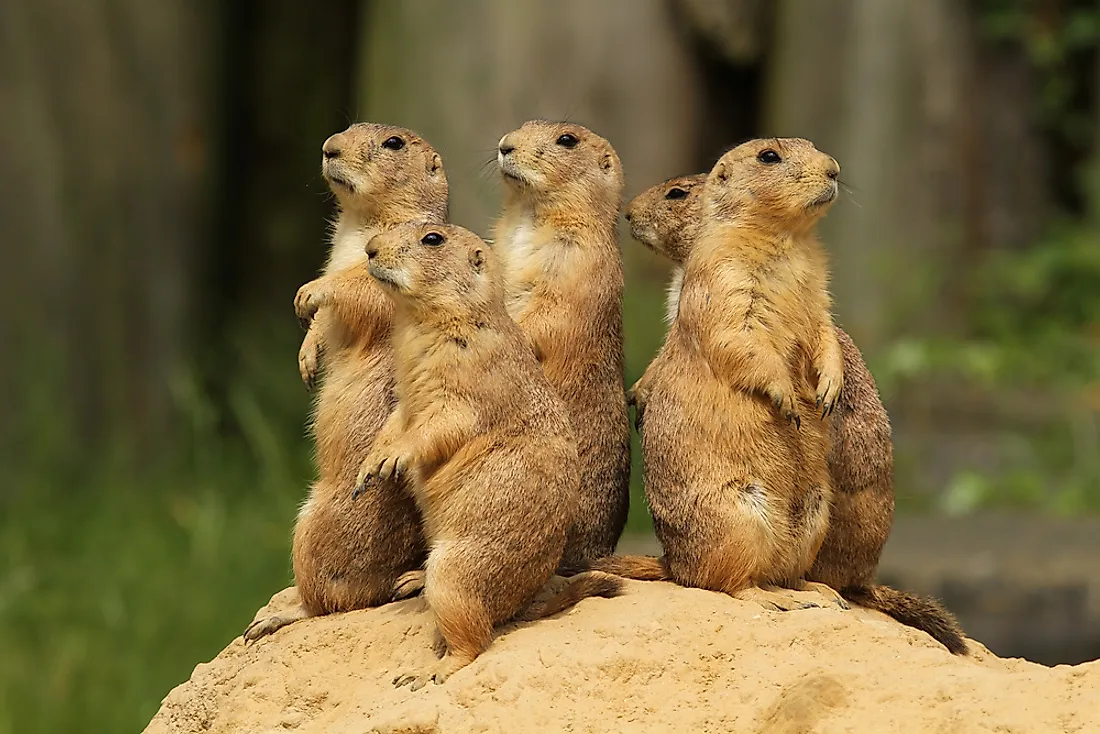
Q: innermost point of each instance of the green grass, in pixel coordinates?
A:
(113, 593)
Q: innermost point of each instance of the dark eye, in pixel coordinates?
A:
(768, 157)
(432, 239)
(676, 193)
(568, 141)
(394, 143)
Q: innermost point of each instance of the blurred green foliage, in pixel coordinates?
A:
(1033, 335)
(1056, 41)
(111, 595)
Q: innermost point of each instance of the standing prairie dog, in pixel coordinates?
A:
(736, 477)
(667, 218)
(348, 555)
(562, 271)
(479, 437)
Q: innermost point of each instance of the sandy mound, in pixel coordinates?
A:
(659, 659)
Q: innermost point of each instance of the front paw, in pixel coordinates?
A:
(309, 361)
(829, 385)
(309, 298)
(382, 465)
(784, 403)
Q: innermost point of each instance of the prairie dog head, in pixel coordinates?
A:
(377, 169)
(784, 184)
(561, 163)
(432, 267)
(666, 218)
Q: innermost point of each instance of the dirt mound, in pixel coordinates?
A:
(658, 659)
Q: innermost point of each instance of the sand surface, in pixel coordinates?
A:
(658, 659)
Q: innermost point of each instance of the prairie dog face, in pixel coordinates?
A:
(433, 266)
(785, 180)
(547, 159)
(376, 166)
(666, 217)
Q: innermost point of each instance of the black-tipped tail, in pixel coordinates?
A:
(911, 610)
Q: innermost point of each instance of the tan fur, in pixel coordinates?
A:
(348, 554)
(563, 280)
(478, 436)
(735, 455)
(666, 218)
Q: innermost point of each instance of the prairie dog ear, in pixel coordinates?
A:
(607, 162)
(477, 259)
(435, 164)
(720, 171)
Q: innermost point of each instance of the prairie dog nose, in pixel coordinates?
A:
(331, 148)
(505, 146)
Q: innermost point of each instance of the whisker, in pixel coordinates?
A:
(851, 193)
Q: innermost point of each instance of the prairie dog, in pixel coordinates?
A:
(479, 437)
(557, 243)
(736, 478)
(348, 555)
(666, 218)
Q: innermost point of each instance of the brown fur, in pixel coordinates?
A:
(666, 218)
(348, 555)
(735, 457)
(479, 437)
(563, 280)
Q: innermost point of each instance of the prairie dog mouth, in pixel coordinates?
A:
(334, 174)
(383, 275)
(510, 170)
(825, 197)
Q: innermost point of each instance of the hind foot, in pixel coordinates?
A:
(409, 584)
(437, 673)
(832, 596)
(267, 625)
(773, 599)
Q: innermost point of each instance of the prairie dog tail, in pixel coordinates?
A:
(638, 568)
(913, 611)
(581, 586)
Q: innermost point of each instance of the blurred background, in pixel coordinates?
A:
(161, 203)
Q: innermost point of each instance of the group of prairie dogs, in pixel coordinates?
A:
(471, 424)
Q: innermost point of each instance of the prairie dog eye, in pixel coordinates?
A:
(768, 157)
(676, 193)
(567, 141)
(432, 239)
(394, 143)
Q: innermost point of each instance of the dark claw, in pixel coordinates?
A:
(809, 605)
(798, 422)
(360, 489)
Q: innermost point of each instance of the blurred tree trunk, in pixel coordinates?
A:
(103, 139)
(461, 74)
(286, 82)
(935, 134)
(162, 196)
